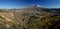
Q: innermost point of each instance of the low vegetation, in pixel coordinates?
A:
(37, 18)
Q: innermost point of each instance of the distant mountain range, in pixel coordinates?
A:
(31, 17)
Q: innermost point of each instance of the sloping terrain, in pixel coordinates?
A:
(30, 18)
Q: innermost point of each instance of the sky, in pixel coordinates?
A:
(24, 3)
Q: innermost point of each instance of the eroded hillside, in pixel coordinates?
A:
(29, 18)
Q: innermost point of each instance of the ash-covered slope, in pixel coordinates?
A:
(32, 17)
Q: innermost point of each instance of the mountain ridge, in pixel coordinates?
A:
(27, 18)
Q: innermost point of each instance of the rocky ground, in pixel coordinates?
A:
(30, 18)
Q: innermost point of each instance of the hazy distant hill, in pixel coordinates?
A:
(32, 17)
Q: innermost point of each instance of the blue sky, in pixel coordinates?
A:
(24, 3)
